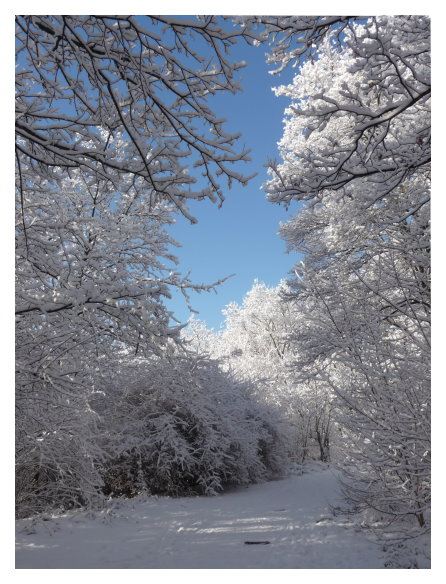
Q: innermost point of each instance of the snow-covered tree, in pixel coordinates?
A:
(82, 81)
(255, 345)
(112, 116)
(89, 277)
(359, 114)
(356, 153)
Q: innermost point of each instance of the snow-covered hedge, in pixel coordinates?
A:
(181, 426)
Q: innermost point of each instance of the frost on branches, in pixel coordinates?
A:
(356, 153)
(359, 114)
(84, 81)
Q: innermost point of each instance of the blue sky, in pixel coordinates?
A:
(240, 237)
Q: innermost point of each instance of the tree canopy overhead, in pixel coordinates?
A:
(86, 84)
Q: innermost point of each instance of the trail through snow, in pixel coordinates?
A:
(293, 514)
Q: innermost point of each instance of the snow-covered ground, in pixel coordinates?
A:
(292, 514)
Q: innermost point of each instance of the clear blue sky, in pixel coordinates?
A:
(241, 237)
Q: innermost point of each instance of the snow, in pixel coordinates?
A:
(293, 514)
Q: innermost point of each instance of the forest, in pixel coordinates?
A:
(116, 139)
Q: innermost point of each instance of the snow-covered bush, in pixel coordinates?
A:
(55, 427)
(55, 469)
(182, 426)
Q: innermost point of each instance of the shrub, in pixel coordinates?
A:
(180, 426)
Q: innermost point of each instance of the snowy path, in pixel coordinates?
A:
(207, 532)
